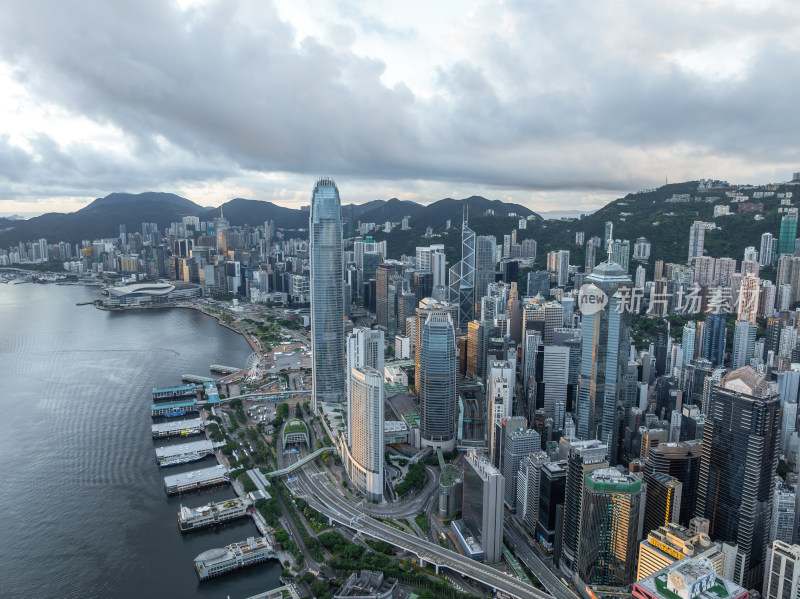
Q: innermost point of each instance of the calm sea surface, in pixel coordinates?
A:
(83, 511)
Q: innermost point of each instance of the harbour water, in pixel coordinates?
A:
(83, 511)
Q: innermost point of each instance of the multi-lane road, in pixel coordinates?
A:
(317, 490)
(520, 544)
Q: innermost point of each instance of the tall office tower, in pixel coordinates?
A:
(605, 345)
(539, 283)
(424, 255)
(439, 269)
(555, 380)
(385, 275)
(477, 348)
(782, 526)
(639, 277)
(744, 343)
(517, 445)
(553, 319)
(485, 246)
(687, 341)
(714, 345)
(697, 235)
(425, 308)
(583, 457)
(529, 479)
(749, 292)
(740, 454)
(664, 494)
(514, 315)
(766, 255)
(788, 425)
(610, 528)
(783, 576)
(661, 343)
(608, 235)
(365, 348)
(438, 387)
(326, 290)
(499, 400)
(552, 483)
(462, 278)
(621, 253)
(766, 300)
(681, 461)
(591, 256)
(563, 267)
(788, 232)
(724, 268)
(482, 510)
(530, 346)
(365, 424)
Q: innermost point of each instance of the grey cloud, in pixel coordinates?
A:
(566, 97)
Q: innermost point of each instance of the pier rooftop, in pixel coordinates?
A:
(176, 427)
(177, 483)
(184, 448)
(174, 392)
(187, 405)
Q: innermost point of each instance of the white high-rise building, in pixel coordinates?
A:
(365, 465)
(563, 267)
(555, 377)
(749, 293)
(500, 399)
(766, 255)
(782, 579)
(365, 347)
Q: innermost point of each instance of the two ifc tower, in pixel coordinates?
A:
(329, 368)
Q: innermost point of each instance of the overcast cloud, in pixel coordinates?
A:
(555, 105)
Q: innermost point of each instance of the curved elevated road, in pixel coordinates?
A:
(317, 490)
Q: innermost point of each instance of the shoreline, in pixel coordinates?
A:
(251, 342)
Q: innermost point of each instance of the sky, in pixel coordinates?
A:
(554, 105)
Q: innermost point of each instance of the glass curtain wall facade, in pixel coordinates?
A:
(327, 294)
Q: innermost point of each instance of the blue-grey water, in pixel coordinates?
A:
(83, 511)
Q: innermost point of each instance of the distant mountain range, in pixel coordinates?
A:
(102, 217)
(647, 214)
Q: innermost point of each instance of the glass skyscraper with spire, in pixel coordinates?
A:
(327, 294)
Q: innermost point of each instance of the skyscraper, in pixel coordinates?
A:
(714, 345)
(482, 507)
(484, 264)
(583, 457)
(788, 233)
(740, 454)
(437, 382)
(766, 255)
(365, 348)
(681, 461)
(327, 294)
(605, 345)
(697, 236)
(366, 418)
(610, 528)
(462, 278)
(518, 444)
(783, 576)
(744, 343)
